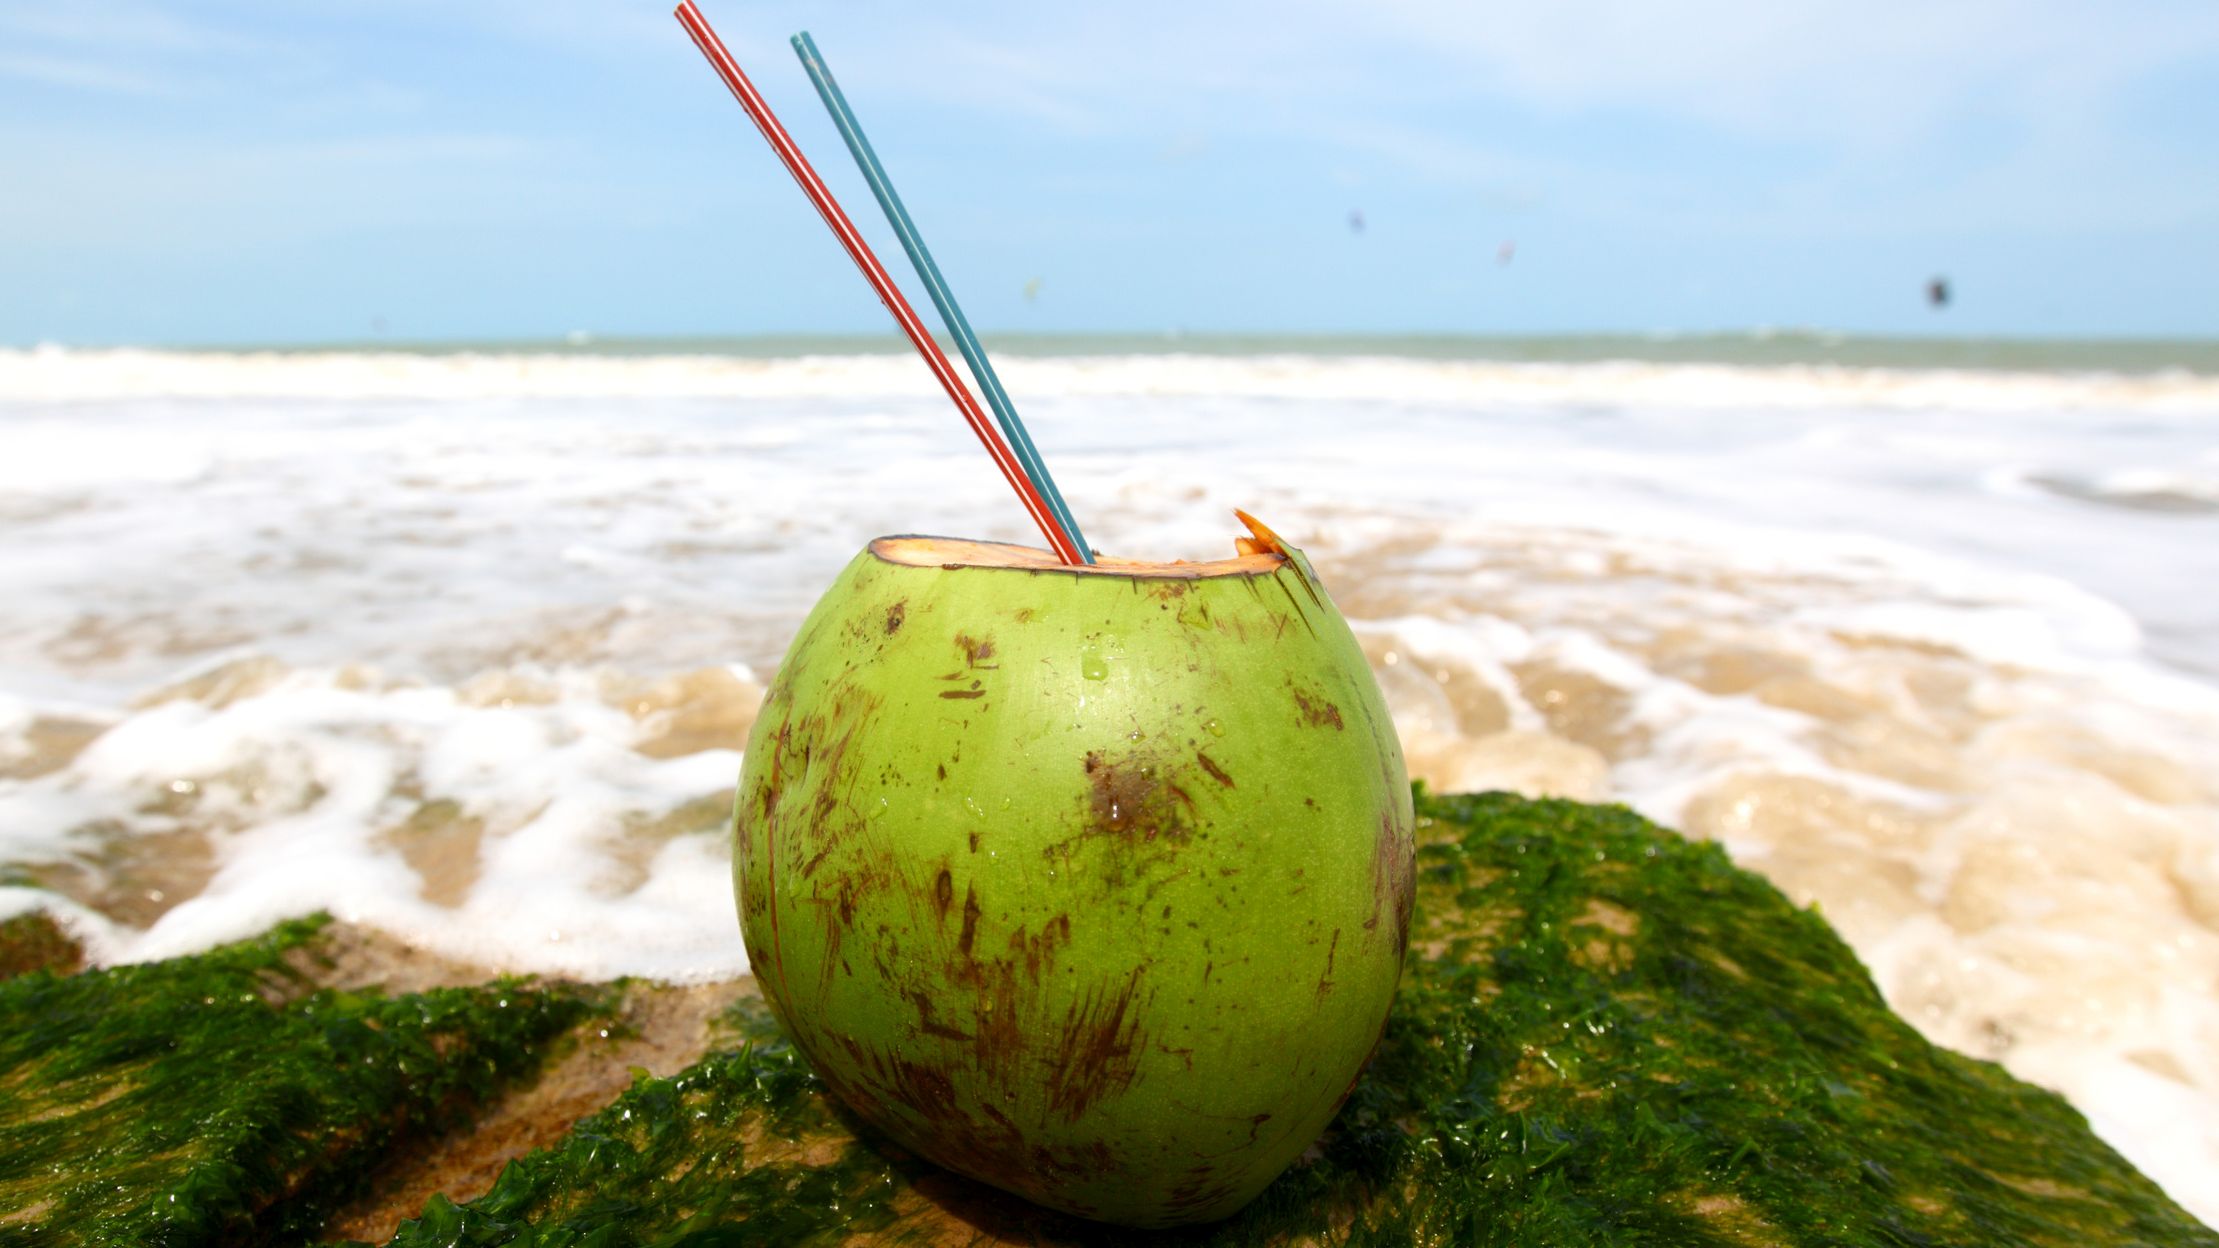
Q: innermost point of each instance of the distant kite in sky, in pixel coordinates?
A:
(1937, 292)
(1506, 252)
(1032, 289)
(1356, 221)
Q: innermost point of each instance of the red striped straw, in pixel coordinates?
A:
(874, 273)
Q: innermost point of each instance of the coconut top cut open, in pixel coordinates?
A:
(1261, 553)
(958, 552)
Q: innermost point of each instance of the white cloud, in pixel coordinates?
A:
(113, 26)
(130, 50)
(1941, 109)
(1869, 74)
(1938, 113)
(82, 74)
(1841, 69)
(1812, 115)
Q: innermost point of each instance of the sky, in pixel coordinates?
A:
(241, 172)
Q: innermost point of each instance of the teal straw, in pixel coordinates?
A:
(937, 287)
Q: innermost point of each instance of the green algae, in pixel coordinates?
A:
(743, 1147)
(224, 1098)
(1604, 1035)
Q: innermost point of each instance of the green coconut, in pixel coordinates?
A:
(1090, 883)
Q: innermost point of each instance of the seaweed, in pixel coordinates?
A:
(224, 1098)
(1604, 1035)
(744, 1147)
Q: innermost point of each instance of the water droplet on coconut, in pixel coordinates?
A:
(1092, 665)
(1214, 728)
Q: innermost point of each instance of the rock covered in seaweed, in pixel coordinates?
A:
(1605, 1035)
(226, 1098)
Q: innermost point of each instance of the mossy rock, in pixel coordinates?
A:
(226, 1098)
(1604, 1035)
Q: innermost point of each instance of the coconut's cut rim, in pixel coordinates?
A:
(918, 550)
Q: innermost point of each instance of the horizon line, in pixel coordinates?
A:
(590, 340)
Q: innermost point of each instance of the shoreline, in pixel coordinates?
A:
(2125, 355)
(1155, 372)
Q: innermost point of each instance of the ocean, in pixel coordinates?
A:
(458, 641)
